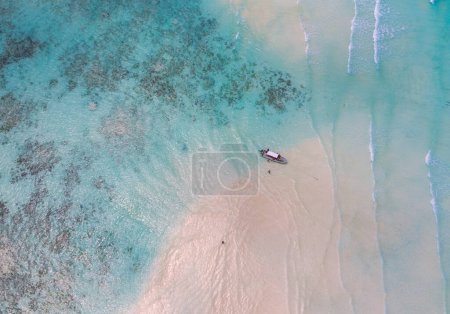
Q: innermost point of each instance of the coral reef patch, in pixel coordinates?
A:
(69, 241)
(18, 49)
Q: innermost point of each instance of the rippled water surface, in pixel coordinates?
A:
(102, 104)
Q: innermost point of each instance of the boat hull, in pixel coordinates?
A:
(281, 160)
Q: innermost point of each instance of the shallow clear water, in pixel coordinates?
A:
(102, 105)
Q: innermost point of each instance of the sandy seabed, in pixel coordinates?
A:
(312, 240)
(275, 252)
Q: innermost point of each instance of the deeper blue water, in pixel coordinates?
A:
(102, 104)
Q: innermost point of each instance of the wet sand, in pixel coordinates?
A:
(276, 252)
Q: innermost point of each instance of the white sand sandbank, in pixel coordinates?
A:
(280, 250)
(274, 25)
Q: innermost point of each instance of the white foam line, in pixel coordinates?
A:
(428, 161)
(375, 204)
(428, 158)
(371, 150)
(307, 38)
(350, 45)
(304, 33)
(433, 196)
(376, 31)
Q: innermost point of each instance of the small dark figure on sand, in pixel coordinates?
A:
(268, 171)
(223, 242)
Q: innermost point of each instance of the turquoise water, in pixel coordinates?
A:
(103, 103)
(88, 191)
